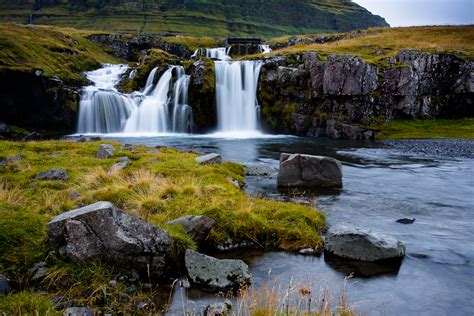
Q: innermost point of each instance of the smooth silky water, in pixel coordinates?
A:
(382, 183)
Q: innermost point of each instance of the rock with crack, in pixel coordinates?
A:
(215, 274)
(297, 170)
(211, 159)
(197, 227)
(351, 241)
(123, 163)
(102, 233)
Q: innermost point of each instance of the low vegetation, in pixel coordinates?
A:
(61, 52)
(157, 187)
(439, 128)
(374, 45)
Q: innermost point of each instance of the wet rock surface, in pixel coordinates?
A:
(351, 241)
(215, 274)
(101, 232)
(452, 148)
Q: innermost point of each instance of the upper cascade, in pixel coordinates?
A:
(236, 95)
(220, 53)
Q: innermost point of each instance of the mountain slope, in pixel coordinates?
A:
(195, 17)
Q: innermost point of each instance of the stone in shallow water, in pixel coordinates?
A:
(298, 170)
(351, 241)
(210, 159)
(220, 275)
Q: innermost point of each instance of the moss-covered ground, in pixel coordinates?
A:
(439, 128)
(157, 187)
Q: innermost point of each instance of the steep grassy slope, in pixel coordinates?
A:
(65, 53)
(196, 17)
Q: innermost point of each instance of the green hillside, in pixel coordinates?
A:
(195, 17)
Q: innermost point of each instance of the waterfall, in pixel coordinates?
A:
(102, 108)
(236, 95)
(264, 49)
(220, 53)
(164, 108)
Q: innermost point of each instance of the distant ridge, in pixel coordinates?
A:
(195, 17)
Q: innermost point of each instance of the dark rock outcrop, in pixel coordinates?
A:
(352, 241)
(215, 274)
(102, 233)
(33, 101)
(337, 98)
(202, 95)
(5, 286)
(298, 170)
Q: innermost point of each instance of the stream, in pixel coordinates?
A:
(429, 180)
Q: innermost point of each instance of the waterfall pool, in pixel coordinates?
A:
(429, 180)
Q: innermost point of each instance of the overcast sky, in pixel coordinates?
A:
(422, 12)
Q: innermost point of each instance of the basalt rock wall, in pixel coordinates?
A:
(338, 97)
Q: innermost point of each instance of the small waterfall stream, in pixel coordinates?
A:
(236, 95)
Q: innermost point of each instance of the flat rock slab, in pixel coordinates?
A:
(105, 151)
(102, 233)
(53, 175)
(210, 159)
(297, 170)
(124, 162)
(215, 274)
(11, 159)
(351, 241)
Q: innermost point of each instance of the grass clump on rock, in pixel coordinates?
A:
(156, 187)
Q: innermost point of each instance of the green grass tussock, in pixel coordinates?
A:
(156, 187)
(439, 128)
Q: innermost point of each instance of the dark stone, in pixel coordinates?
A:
(32, 136)
(5, 286)
(78, 311)
(406, 221)
(102, 233)
(39, 271)
(53, 175)
(11, 159)
(4, 129)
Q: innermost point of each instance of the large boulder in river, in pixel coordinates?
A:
(215, 274)
(297, 170)
(351, 241)
(102, 233)
(197, 227)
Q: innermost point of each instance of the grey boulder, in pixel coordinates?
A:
(197, 227)
(124, 162)
(102, 233)
(105, 151)
(219, 309)
(209, 159)
(351, 241)
(10, 159)
(5, 287)
(297, 170)
(78, 311)
(220, 275)
(53, 175)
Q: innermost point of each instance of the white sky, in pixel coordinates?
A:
(422, 12)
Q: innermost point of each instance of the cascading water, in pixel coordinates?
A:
(236, 95)
(220, 53)
(102, 108)
(264, 49)
(160, 113)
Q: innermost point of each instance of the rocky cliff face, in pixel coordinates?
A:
(303, 95)
(32, 101)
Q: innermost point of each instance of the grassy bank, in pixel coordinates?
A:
(156, 187)
(376, 44)
(440, 128)
(61, 52)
